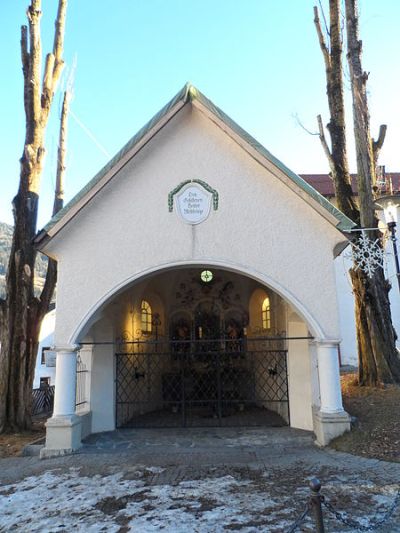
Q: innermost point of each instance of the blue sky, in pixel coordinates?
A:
(258, 60)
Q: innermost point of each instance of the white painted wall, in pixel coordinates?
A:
(102, 389)
(299, 374)
(261, 228)
(348, 344)
(46, 339)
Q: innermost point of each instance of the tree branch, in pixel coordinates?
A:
(25, 58)
(24, 50)
(321, 39)
(366, 175)
(54, 61)
(325, 146)
(51, 274)
(299, 123)
(35, 48)
(48, 288)
(61, 165)
(59, 40)
(323, 16)
(377, 145)
(47, 92)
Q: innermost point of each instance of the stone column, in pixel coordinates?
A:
(63, 429)
(330, 420)
(65, 387)
(329, 377)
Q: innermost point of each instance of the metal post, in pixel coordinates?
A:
(315, 501)
(182, 358)
(219, 387)
(392, 229)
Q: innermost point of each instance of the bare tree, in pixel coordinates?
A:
(21, 312)
(377, 354)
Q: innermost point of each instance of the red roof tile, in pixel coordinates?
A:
(324, 184)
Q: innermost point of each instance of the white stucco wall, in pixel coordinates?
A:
(46, 340)
(261, 228)
(102, 377)
(348, 342)
(299, 374)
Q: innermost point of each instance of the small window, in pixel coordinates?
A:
(146, 317)
(43, 354)
(266, 314)
(44, 382)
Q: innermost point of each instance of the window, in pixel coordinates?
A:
(43, 354)
(44, 382)
(146, 317)
(266, 314)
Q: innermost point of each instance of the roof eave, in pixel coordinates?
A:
(117, 162)
(268, 161)
(190, 94)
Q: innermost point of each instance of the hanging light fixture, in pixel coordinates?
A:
(206, 276)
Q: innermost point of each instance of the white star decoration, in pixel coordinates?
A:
(367, 255)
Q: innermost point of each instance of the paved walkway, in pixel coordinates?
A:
(204, 446)
(265, 465)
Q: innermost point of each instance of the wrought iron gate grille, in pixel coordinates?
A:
(215, 382)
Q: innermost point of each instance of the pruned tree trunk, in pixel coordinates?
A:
(377, 354)
(51, 274)
(22, 312)
(337, 154)
(379, 361)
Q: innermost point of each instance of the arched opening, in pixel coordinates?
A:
(196, 350)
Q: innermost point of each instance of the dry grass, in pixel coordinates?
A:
(12, 444)
(376, 431)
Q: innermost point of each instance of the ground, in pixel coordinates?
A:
(13, 444)
(201, 480)
(211, 480)
(376, 431)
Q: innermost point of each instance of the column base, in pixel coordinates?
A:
(63, 436)
(328, 426)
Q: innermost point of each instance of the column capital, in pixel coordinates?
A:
(326, 342)
(66, 348)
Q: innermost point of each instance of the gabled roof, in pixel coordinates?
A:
(189, 94)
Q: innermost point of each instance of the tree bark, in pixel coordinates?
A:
(51, 275)
(338, 160)
(377, 354)
(21, 311)
(376, 337)
(364, 150)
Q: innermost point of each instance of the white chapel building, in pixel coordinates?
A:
(196, 283)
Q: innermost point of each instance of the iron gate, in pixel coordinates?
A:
(218, 382)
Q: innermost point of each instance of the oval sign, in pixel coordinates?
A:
(194, 204)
